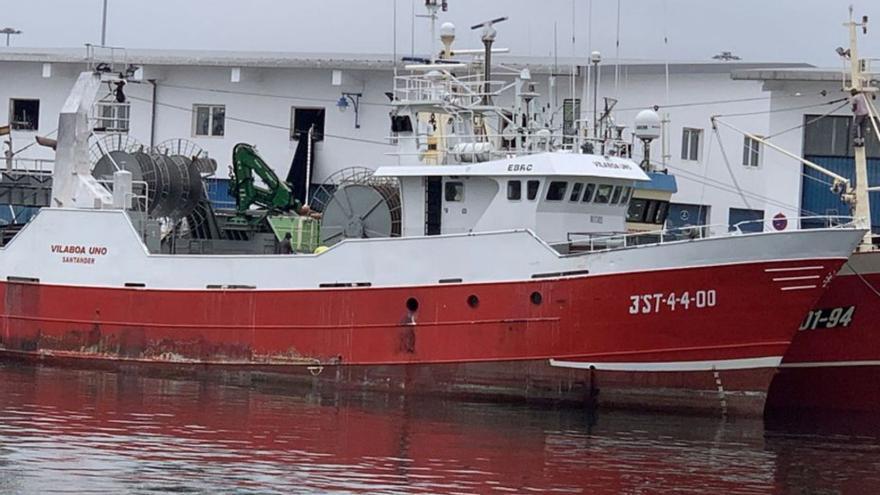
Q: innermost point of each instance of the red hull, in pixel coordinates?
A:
(836, 368)
(498, 346)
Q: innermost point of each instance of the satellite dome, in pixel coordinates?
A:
(647, 125)
(447, 29)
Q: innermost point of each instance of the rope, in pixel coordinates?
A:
(863, 279)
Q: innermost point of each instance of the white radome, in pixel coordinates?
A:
(647, 125)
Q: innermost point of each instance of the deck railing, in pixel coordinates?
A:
(581, 241)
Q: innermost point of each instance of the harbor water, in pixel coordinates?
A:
(76, 431)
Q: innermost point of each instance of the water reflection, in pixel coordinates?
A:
(87, 431)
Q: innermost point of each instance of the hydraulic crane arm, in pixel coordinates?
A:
(276, 196)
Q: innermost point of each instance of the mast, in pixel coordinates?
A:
(862, 202)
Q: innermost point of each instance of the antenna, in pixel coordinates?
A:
(433, 7)
(8, 31)
(488, 38)
(617, 54)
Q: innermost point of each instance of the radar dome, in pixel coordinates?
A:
(647, 125)
(447, 29)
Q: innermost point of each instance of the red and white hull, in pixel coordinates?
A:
(475, 314)
(834, 360)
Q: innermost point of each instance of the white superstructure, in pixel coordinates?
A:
(261, 96)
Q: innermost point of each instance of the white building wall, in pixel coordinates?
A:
(773, 187)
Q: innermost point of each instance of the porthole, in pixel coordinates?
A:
(536, 298)
(412, 304)
(473, 301)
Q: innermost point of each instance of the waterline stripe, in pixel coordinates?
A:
(717, 365)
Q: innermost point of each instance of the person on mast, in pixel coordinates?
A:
(860, 116)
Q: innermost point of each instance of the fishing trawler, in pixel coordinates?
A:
(485, 267)
(834, 361)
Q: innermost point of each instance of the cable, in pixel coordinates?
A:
(265, 95)
(721, 186)
(264, 124)
(699, 103)
(31, 144)
(727, 164)
(788, 109)
(811, 121)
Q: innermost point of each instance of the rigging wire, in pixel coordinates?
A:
(788, 109)
(809, 122)
(727, 164)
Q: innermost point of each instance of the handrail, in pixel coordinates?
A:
(605, 242)
(39, 166)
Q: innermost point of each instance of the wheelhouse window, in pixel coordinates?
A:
(209, 120)
(690, 144)
(453, 191)
(514, 190)
(662, 212)
(302, 119)
(636, 211)
(751, 152)
(556, 191)
(532, 189)
(615, 195)
(24, 115)
(588, 193)
(647, 211)
(576, 189)
(627, 192)
(603, 194)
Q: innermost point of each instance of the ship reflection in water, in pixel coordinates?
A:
(87, 431)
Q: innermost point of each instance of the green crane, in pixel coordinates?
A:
(275, 197)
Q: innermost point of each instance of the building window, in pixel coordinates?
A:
(532, 189)
(603, 195)
(556, 191)
(514, 190)
(690, 144)
(209, 120)
(571, 110)
(112, 116)
(24, 115)
(576, 192)
(588, 193)
(751, 152)
(302, 119)
(454, 191)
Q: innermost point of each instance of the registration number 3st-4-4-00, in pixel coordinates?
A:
(671, 301)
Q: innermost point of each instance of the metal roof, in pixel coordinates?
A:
(788, 74)
(363, 61)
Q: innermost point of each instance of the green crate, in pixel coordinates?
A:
(304, 231)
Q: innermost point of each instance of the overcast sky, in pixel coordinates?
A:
(756, 30)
